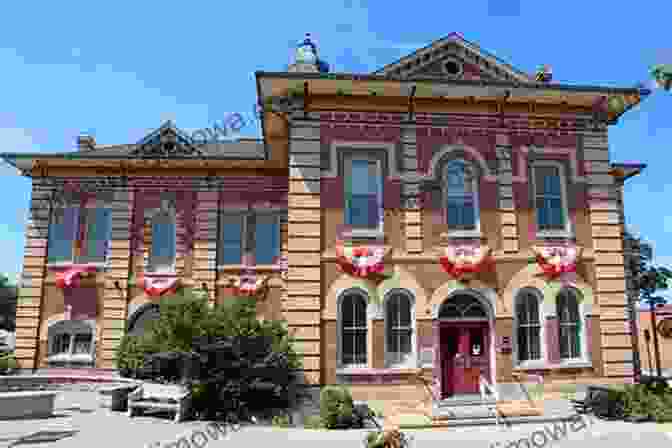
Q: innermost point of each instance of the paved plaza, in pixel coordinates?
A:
(80, 422)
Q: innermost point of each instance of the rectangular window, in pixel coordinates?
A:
(163, 252)
(266, 239)
(82, 344)
(231, 251)
(364, 193)
(548, 198)
(98, 226)
(60, 344)
(64, 233)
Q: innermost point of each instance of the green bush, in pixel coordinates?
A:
(336, 407)
(313, 422)
(8, 362)
(640, 400)
(281, 421)
(186, 324)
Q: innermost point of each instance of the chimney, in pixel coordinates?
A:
(86, 142)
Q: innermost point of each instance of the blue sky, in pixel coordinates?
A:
(119, 69)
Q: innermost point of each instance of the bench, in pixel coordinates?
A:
(118, 396)
(169, 397)
(27, 404)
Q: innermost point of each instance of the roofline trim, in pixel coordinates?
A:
(365, 77)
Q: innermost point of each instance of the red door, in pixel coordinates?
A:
(465, 357)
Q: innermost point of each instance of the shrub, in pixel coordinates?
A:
(336, 407)
(641, 400)
(281, 421)
(229, 359)
(8, 363)
(313, 422)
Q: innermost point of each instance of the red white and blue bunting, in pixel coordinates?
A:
(555, 261)
(360, 261)
(71, 276)
(462, 261)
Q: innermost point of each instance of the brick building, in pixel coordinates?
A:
(447, 216)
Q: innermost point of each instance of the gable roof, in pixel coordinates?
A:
(168, 142)
(457, 47)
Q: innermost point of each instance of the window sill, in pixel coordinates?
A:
(555, 234)
(464, 234)
(367, 234)
(547, 366)
(69, 264)
(256, 268)
(368, 371)
(78, 359)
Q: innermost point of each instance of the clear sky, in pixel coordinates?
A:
(119, 69)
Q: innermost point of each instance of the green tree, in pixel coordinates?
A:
(647, 281)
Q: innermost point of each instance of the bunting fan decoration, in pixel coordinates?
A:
(158, 286)
(71, 276)
(360, 261)
(557, 260)
(461, 261)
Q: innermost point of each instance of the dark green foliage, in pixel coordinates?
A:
(8, 363)
(336, 407)
(229, 359)
(641, 400)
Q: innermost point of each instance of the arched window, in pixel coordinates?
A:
(162, 256)
(528, 326)
(353, 328)
(138, 323)
(399, 328)
(70, 342)
(460, 194)
(569, 324)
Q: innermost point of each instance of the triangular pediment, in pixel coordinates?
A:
(167, 141)
(453, 57)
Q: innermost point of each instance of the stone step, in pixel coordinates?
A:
(463, 412)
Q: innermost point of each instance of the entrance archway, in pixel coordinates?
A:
(465, 333)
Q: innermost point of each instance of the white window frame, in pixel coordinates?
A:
(167, 209)
(247, 230)
(536, 294)
(81, 221)
(583, 355)
(341, 298)
(72, 329)
(371, 232)
(412, 358)
(445, 194)
(567, 231)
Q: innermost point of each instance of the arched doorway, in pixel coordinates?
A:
(464, 325)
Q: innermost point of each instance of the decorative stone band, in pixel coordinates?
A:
(557, 260)
(70, 277)
(461, 261)
(360, 261)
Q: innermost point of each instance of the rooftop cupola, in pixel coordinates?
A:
(306, 59)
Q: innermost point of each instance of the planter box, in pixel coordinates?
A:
(31, 404)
